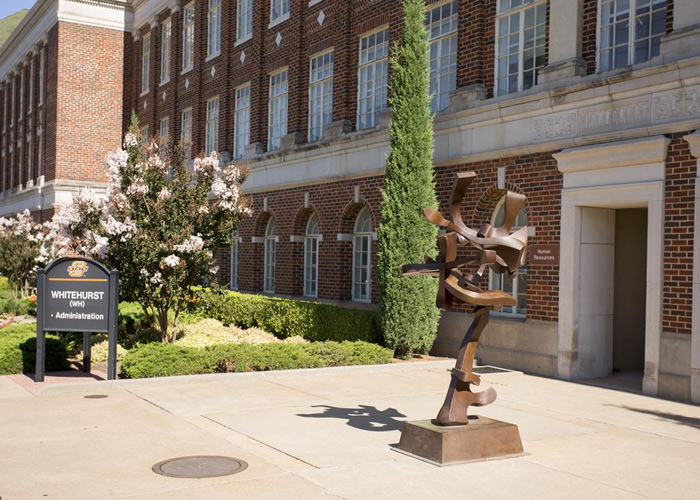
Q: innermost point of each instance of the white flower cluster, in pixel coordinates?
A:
(115, 163)
(207, 166)
(164, 194)
(171, 261)
(23, 228)
(130, 140)
(113, 227)
(191, 245)
(137, 188)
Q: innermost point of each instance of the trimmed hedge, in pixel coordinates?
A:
(313, 321)
(18, 350)
(164, 360)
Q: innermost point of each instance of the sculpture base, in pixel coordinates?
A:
(482, 439)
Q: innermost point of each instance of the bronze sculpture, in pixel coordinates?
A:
(499, 251)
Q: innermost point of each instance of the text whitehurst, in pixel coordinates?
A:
(88, 316)
(76, 295)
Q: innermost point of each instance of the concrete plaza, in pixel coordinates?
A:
(328, 433)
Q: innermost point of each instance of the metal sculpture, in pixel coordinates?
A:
(498, 250)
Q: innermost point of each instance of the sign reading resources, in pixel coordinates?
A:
(77, 295)
(544, 255)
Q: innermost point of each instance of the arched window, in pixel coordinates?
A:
(270, 241)
(234, 261)
(518, 285)
(311, 241)
(362, 258)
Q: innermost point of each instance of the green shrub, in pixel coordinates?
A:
(160, 360)
(313, 321)
(18, 350)
(18, 307)
(134, 324)
(164, 360)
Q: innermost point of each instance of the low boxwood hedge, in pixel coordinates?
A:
(163, 360)
(18, 350)
(313, 321)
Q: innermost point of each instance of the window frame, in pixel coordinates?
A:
(166, 35)
(493, 277)
(186, 130)
(358, 237)
(319, 83)
(270, 256)
(241, 113)
(373, 119)
(211, 130)
(631, 36)
(435, 101)
(282, 112)
(281, 16)
(527, 4)
(311, 239)
(213, 35)
(188, 37)
(165, 120)
(146, 64)
(247, 15)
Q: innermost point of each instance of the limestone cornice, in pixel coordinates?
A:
(614, 154)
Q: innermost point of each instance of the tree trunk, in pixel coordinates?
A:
(163, 323)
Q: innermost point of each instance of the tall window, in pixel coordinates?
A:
(372, 78)
(629, 31)
(362, 257)
(234, 261)
(32, 73)
(277, 115)
(520, 44)
(144, 135)
(186, 132)
(21, 94)
(165, 34)
(311, 241)
(214, 28)
(188, 37)
(278, 9)
(320, 95)
(270, 242)
(441, 23)
(40, 153)
(242, 121)
(244, 19)
(164, 128)
(211, 142)
(518, 285)
(42, 70)
(145, 63)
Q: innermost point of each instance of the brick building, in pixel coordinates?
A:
(590, 108)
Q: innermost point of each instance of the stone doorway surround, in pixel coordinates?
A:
(694, 141)
(624, 174)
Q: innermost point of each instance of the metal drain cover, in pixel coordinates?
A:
(200, 467)
(96, 396)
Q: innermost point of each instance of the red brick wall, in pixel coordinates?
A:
(536, 176)
(89, 99)
(681, 169)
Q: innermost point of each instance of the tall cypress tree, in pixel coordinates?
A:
(407, 305)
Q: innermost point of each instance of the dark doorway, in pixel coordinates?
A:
(629, 321)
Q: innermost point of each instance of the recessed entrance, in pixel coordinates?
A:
(612, 299)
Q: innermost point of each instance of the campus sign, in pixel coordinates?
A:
(77, 295)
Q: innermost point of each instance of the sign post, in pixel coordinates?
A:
(77, 295)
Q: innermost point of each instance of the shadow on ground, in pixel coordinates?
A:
(366, 418)
(679, 419)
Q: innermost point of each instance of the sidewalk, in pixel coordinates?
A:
(320, 434)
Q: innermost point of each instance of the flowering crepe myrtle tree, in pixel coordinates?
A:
(24, 246)
(160, 224)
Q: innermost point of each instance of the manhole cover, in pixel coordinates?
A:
(96, 396)
(200, 467)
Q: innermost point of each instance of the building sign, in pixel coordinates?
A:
(541, 255)
(77, 295)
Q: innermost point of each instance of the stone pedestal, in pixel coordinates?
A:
(481, 439)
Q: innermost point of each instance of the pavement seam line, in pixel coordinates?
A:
(261, 442)
(149, 402)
